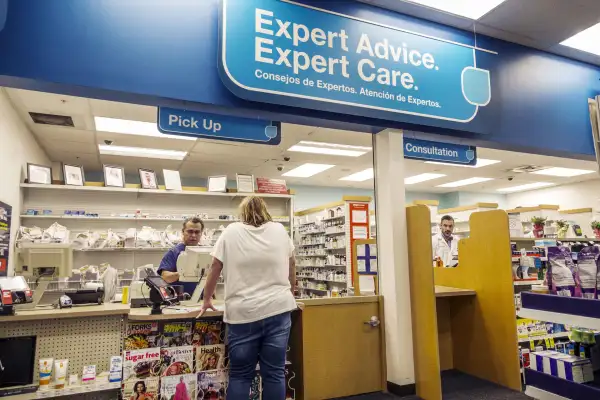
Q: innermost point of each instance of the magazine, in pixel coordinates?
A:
(146, 389)
(209, 358)
(177, 360)
(141, 364)
(140, 335)
(212, 385)
(207, 333)
(176, 334)
(180, 387)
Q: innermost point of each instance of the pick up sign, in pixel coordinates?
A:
(215, 126)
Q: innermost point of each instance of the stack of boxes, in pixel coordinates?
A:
(560, 365)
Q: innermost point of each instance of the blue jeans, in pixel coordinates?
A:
(264, 342)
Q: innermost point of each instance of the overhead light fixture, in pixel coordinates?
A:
(129, 127)
(563, 172)
(360, 176)
(465, 182)
(141, 152)
(528, 186)
(473, 9)
(481, 162)
(309, 169)
(332, 149)
(586, 40)
(411, 180)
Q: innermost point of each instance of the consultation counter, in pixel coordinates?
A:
(323, 365)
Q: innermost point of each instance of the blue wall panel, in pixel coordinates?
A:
(164, 52)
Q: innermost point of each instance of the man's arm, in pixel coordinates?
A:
(169, 276)
(212, 279)
(292, 274)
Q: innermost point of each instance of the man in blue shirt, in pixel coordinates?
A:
(192, 231)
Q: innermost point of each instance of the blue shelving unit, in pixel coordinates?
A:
(559, 387)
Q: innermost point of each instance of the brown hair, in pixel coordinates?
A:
(193, 220)
(253, 211)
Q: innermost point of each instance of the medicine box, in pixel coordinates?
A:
(560, 365)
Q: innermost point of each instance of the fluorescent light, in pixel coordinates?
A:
(586, 40)
(359, 176)
(306, 170)
(481, 162)
(563, 172)
(528, 186)
(411, 180)
(141, 152)
(473, 9)
(465, 182)
(128, 127)
(332, 149)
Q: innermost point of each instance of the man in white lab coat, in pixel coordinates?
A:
(444, 244)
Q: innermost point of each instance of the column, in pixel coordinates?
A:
(392, 255)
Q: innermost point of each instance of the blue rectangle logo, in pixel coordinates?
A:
(219, 127)
(425, 150)
(281, 51)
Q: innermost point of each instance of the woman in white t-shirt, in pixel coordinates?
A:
(256, 257)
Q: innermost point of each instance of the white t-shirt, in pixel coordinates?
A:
(256, 271)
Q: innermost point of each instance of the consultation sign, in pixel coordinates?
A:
(425, 150)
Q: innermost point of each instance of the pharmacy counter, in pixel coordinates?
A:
(42, 313)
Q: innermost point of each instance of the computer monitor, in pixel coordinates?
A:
(194, 263)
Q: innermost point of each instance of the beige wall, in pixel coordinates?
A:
(18, 147)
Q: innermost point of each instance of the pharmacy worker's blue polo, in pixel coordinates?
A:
(169, 263)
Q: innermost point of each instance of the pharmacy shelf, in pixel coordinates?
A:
(131, 249)
(584, 313)
(311, 255)
(313, 289)
(312, 233)
(577, 239)
(334, 218)
(335, 248)
(108, 218)
(150, 191)
(544, 337)
(542, 386)
(528, 282)
(321, 280)
(335, 233)
(334, 266)
(75, 390)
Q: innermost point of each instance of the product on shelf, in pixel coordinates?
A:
(207, 333)
(210, 358)
(212, 385)
(146, 388)
(140, 364)
(175, 333)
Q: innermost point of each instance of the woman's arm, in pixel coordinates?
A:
(292, 274)
(211, 285)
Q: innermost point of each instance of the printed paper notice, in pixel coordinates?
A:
(359, 216)
(359, 232)
(360, 250)
(361, 266)
(367, 284)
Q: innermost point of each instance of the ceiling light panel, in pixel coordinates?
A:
(411, 180)
(563, 172)
(360, 176)
(465, 182)
(586, 40)
(141, 152)
(481, 162)
(129, 127)
(528, 186)
(473, 9)
(332, 149)
(307, 170)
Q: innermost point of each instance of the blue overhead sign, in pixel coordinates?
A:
(282, 51)
(441, 152)
(220, 127)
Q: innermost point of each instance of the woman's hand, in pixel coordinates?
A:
(207, 305)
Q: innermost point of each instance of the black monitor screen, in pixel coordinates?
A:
(17, 361)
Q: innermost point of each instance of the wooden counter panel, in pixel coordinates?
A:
(74, 312)
(341, 354)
